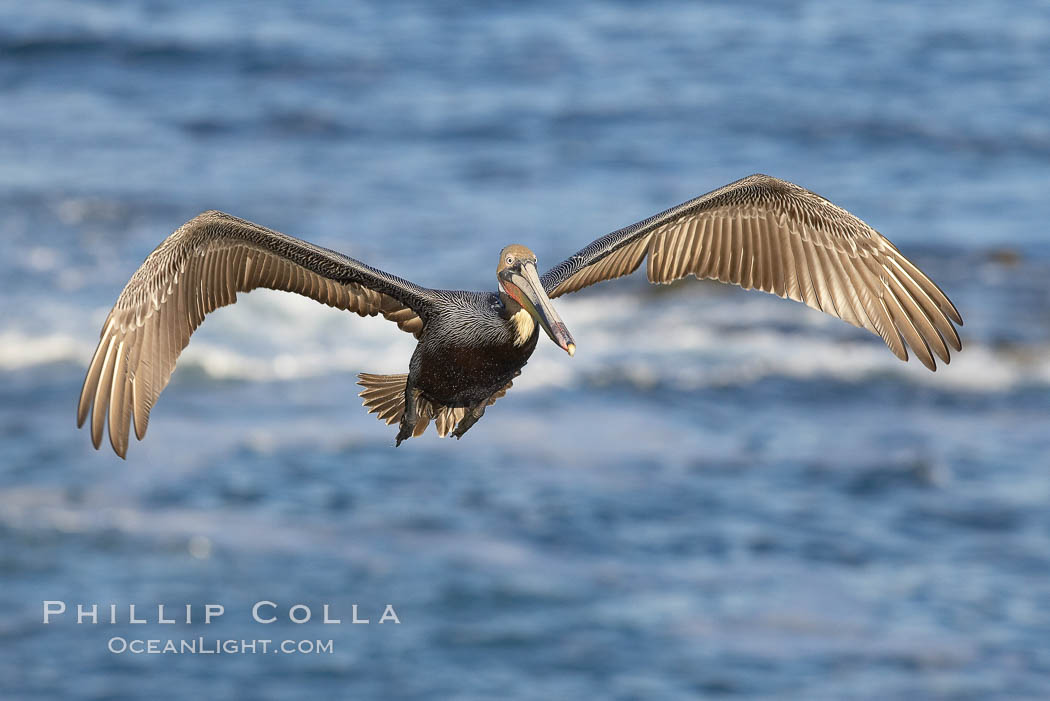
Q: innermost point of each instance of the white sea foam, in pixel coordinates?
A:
(691, 343)
(23, 350)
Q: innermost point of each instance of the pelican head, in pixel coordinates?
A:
(519, 280)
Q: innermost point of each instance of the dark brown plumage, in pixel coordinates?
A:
(759, 232)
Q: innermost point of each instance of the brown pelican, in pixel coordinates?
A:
(759, 233)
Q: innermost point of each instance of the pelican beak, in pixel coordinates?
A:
(523, 284)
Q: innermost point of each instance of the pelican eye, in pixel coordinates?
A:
(509, 260)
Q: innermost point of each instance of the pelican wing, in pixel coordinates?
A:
(199, 268)
(771, 235)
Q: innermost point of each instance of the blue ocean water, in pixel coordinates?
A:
(722, 495)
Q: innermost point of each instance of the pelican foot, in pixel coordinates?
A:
(471, 418)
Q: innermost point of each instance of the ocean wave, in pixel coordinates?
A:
(687, 342)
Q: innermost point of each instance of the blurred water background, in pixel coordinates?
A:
(723, 494)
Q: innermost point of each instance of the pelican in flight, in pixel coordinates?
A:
(759, 233)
